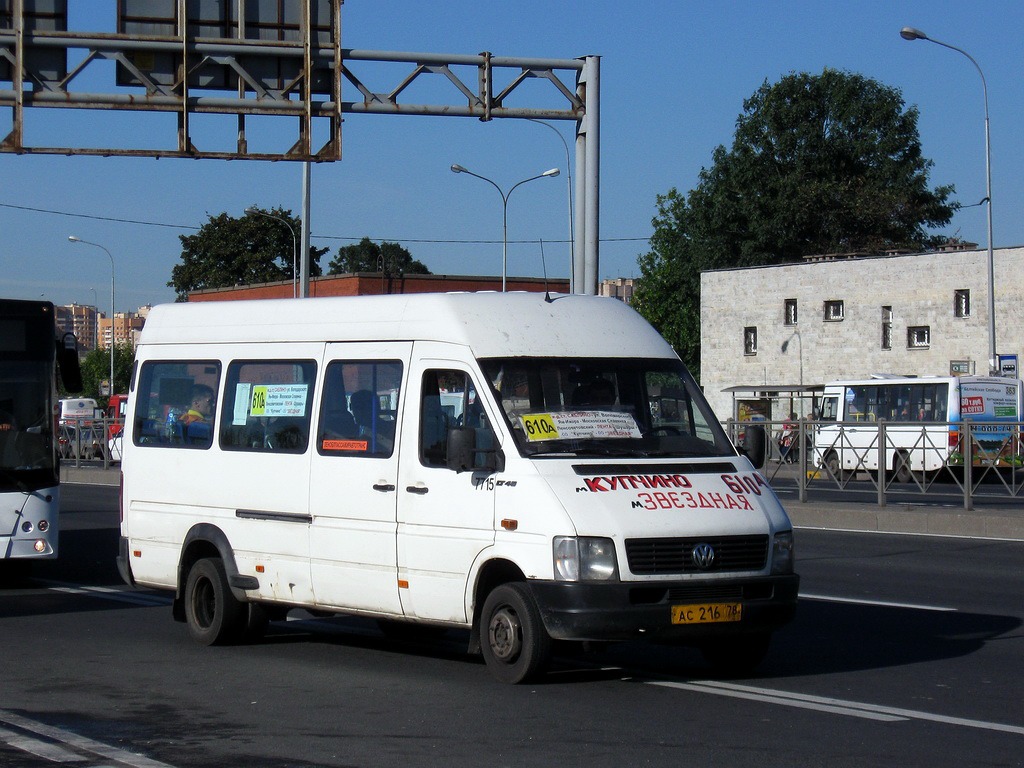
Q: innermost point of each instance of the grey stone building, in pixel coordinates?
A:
(908, 314)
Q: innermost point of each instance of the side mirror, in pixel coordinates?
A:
(465, 455)
(755, 444)
(67, 362)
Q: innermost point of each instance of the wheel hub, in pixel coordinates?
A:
(504, 634)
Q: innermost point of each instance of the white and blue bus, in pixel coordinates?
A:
(924, 421)
(32, 352)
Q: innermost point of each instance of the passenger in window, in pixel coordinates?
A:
(201, 407)
(598, 393)
(363, 405)
(602, 393)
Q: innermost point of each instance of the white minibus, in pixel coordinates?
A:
(500, 463)
(924, 424)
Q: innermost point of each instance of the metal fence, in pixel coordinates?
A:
(884, 461)
(95, 439)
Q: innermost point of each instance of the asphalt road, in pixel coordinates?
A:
(906, 651)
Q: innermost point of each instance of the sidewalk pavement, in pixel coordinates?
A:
(1005, 521)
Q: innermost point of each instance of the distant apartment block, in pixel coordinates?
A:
(94, 330)
(620, 288)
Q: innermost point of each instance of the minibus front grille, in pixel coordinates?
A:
(676, 555)
(702, 593)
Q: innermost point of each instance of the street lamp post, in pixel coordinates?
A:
(909, 33)
(295, 250)
(504, 211)
(74, 239)
(572, 226)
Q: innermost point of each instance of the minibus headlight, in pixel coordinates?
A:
(783, 553)
(585, 558)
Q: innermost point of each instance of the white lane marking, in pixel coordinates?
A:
(838, 706)
(74, 741)
(774, 697)
(123, 594)
(972, 537)
(44, 749)
(882, 603)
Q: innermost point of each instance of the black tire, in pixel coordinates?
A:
(214, 616)
(514, 643)
(901, 468)
(738, 655)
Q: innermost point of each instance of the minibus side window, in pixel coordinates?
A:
(359, 411)
(176, 403)
(267, 406)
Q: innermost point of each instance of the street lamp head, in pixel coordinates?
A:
(909, 33)
(458, 169)
(252, 209)
(551, 172)
(74, 239)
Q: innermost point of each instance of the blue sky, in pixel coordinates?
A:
(673, 79)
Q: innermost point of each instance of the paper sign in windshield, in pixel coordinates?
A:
(578, 425)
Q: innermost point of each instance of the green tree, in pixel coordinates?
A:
(820, 164)
(229, 251)
(96, 369)
(368, 256)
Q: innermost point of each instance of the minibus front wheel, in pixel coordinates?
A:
(514, 643)
(214, 616)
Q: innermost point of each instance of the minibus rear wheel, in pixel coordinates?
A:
(214, 616)
(514, 643)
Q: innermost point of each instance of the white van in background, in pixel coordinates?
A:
(502, 463)
(80, 430)
(79, 411)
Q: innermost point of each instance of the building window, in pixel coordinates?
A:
(750, 340)
(886, 327)
(962, 303)
(790, 312)
(919, 336)
(833, 310)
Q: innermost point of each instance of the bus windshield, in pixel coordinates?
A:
(604, 407)
(27, 459)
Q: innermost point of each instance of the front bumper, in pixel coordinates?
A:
(630, 610)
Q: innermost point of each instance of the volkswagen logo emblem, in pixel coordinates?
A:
(703, 556)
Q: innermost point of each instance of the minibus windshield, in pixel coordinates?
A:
(604, 407)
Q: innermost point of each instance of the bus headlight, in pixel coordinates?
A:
(26, 527)
(585, 558)
(39, 546)
(783, 554)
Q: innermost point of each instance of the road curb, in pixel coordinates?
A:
(1002, 523)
